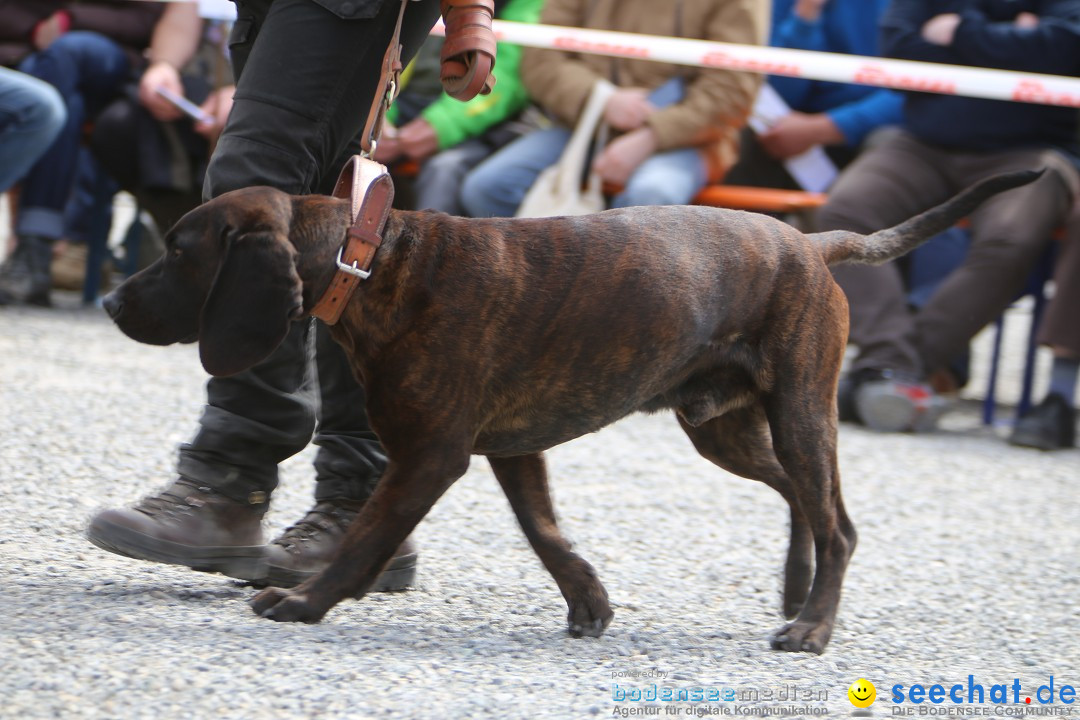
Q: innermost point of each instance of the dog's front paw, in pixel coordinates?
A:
(286, 606)
(589, 618)
(802, 636)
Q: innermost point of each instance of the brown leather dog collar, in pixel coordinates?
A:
(368, 187)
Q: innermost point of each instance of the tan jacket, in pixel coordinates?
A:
(717, 102)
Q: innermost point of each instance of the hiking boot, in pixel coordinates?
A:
(306, 548)
(896, 404)
(1050, 425)
(188, 524)
(25, 277)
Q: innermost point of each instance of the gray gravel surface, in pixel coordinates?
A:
(967, 564)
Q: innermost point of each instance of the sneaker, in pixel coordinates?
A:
(896, 404)
(1050, 425)
(188, 524)
(306, 548)
(846, 390)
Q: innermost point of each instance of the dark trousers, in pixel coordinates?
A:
(1060, 325)
(305, 82)
(900, 177)
(88, 69)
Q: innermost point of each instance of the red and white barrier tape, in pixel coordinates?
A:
(878, 72)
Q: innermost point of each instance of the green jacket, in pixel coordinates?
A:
(455, 121)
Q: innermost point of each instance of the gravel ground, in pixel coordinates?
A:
(967, 564)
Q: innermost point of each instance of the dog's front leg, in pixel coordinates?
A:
(402, 498)
(524, 480)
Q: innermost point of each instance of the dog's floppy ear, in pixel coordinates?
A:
(255, 297)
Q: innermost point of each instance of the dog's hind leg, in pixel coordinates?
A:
(803, 424)
(739, 442)
(524, 480)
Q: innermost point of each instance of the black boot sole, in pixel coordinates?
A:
(399, 574)
(245, 562)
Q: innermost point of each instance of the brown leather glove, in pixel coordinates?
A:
(468, 54)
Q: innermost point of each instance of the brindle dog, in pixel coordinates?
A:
(505, 337)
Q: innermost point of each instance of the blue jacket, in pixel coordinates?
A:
(987, 38)
(845, 26)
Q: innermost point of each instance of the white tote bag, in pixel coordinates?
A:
(557, 190)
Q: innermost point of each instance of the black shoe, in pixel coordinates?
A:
(188, 524)
(26, 277)
(1050, 425)
(307, 547)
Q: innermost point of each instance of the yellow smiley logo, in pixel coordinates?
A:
(862, 693)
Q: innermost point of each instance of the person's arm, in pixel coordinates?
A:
(902, 30)
(556, 79)
(797, 25)
(715, 97)
(859, 118)
(1052, 45)
(173, 42)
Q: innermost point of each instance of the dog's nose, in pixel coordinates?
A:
(112, 304)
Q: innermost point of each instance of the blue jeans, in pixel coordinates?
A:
(88, 70)
(497, 186)
(31, 115)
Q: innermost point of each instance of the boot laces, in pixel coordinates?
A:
(178, 498)
(325, 517)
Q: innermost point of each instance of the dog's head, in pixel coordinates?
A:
(227, 279)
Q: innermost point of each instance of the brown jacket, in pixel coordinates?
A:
(716, 103)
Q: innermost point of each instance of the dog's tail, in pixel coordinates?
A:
(839, 246)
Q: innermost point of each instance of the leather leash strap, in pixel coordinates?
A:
(467, 60)
(390, 83)
(370, 191)
(468, 57)
(468, 53)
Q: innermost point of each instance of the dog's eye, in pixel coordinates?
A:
(176, 253)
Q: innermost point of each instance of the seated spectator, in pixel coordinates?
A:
(837, 116)
(88, 51)
(446, 136)
(1051, 425)
(948, 143)
(668, 148)
(161, 161)
(31, 115)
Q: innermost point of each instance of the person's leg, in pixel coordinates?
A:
(892, 180)
(438, 185)
(295, 130)
(1009, 233)
(669, 178)
(1051, 424)
(318, 130)
(288, 132)
(32, 113)
(496, 187)
(889, 183)
(31, 116)
(348, 465)
(85, 69)
(292, 131)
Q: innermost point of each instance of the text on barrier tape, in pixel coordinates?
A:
(897, 74)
